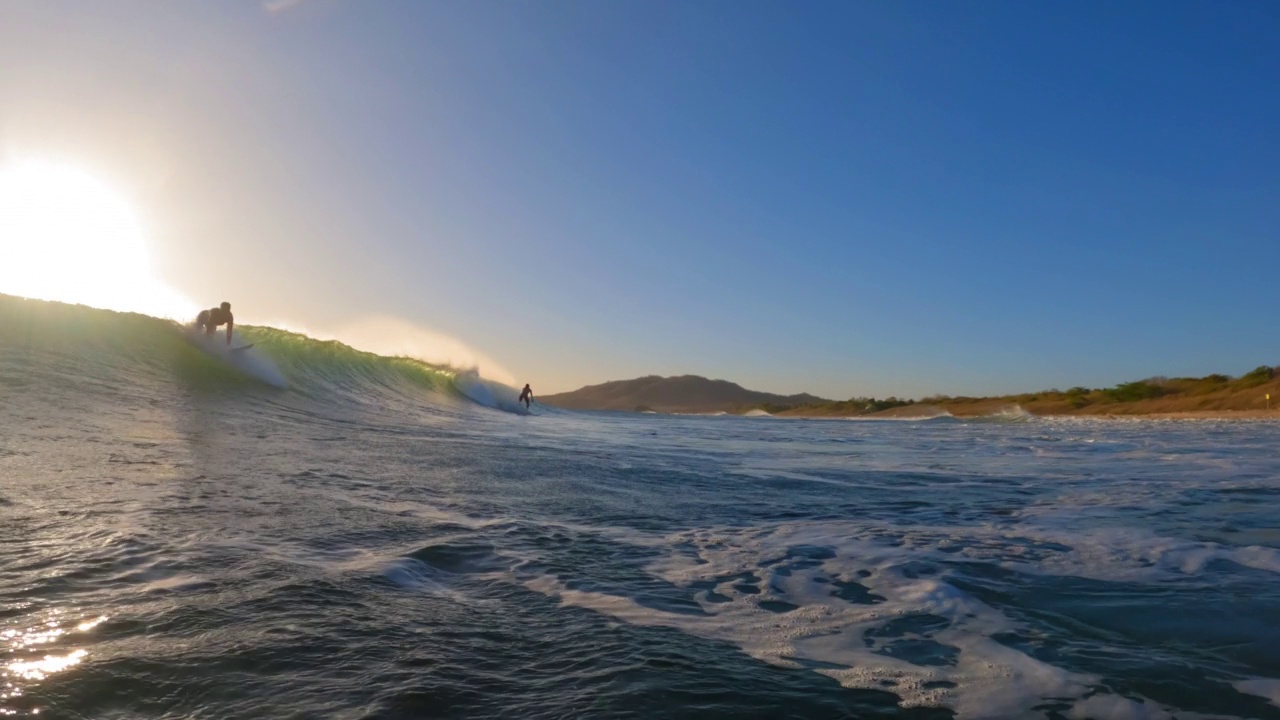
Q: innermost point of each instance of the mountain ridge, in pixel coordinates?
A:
(678, 393)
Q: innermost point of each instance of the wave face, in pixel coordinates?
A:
(91, 345)
(180, 537)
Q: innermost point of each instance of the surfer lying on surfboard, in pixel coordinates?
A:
(210, 319)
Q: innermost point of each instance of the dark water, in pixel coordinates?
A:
(178, 541)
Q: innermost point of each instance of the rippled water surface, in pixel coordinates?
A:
(170, 549)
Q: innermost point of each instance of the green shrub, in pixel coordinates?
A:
(1134, 391)
(874, 405)
(1256, 376)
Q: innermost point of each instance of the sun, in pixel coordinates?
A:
(68, 235)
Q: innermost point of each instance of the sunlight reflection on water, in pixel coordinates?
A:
(49, 664)
(37, 669)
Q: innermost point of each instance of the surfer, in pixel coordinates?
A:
(210, 319)
(526, 395)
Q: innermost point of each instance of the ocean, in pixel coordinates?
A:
(317, 532)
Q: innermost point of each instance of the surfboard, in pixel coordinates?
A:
(216, 344)
(238, 357)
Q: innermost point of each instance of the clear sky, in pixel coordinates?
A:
(845, 198)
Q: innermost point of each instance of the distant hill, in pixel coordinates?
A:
(685, 394)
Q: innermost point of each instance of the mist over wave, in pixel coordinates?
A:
(394, 337)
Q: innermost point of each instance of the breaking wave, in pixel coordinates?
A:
(116, 347)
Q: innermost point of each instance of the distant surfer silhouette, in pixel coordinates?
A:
(526, 395)
(210, 319)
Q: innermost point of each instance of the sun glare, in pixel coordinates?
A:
(66, 235)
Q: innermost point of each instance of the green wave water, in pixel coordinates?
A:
(135, 348)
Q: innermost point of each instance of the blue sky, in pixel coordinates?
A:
(844, 198)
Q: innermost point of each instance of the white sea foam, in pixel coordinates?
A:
(1115, 707)
(786, 611)
(1268, 688)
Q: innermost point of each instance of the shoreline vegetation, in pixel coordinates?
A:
(1210, 397)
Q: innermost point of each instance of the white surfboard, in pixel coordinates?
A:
(238, 355)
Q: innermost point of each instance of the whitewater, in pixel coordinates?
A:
(327, 533)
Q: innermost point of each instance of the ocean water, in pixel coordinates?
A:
(322, 533)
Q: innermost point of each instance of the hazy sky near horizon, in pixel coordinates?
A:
(845, 198)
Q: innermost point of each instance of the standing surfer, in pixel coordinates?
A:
(526, 395)
(210, 319)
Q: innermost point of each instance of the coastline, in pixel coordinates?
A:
(1210, 398)
(1120, 411)
(918, 412)
(1186, 415)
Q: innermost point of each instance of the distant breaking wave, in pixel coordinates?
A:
(130, 348)
(1009, 413)
(915, 413)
